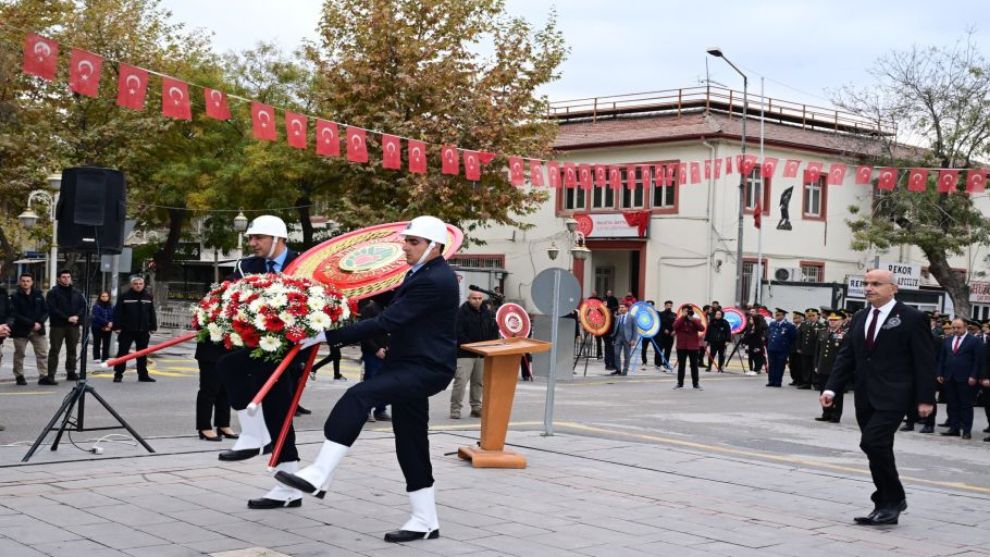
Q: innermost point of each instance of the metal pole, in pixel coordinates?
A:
(53, 255)
(552, 374)
(758, 278)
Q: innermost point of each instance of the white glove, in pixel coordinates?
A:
(314, 340)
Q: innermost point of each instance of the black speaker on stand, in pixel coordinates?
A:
(91, 209)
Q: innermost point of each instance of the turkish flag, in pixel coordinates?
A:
(812, 172)
(863, 174)
(357, 144)
(695, 173)
(791, 168)
(296, 129)
(601, 176)
(887, 179)
(263, 121)
(615, 178)
(718, 168)
(536, 173)
(553, 174)
(416, 153)
(216, 104)
(175, 99)
(327, 138)
(40, 56)
(516, 175)
(976, 180)
(947, 180)
(682, 173)
(484, 157)
(757, 214)
(769, 167)
(645, 174)
(739, 164)
(660, 174)
(917, 179)
(728, 165)
(84, 73)
(132, 84)
(708, 169)
(584, 176)
(391, 152)
(671, 178)
(836, 174)
(748, 164)
(570, 175)
(472, 165)
(449, 160)
(630, 177)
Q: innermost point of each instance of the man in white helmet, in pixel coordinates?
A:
(420, 362)
(266, 237)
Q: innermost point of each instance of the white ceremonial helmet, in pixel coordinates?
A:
(429, 228)
(268, 225)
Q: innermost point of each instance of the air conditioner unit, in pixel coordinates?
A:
(788, 274)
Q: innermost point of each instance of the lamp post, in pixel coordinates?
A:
(717, 52)
(240, 225)
(29, 218)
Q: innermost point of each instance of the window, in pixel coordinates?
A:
(813, 271)
(980, 312)
(757, 189)
(604, 279)
(575, 199)
(665, 197)
(633, 199)
(602, 197)
(478, 261)
(749, 266)
(813, 197)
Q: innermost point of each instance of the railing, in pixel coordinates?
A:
(715, 99)
(175, 316)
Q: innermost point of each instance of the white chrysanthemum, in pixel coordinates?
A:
(317, 290)
(346, 308)
(269, 343)
(202, 317)
(216, 333)
(287, 318)
(316, 303)
(278, 301)
(236, 339)
(227, 294)
(259, 322)
(319, 321)
(256, 305)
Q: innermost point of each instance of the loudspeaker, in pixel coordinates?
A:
(91, 210)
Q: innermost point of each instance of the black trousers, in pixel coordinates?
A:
(877, 428)
(609, 351)
(243, 376)
(756, 358)
(986, 402)
(795, 363)
(648, 343)
(140, 340)
(407, 390)
(807, 369)
(682, 358)
(212, 402)
(598, 347)
(716, 350)
(666, 344)
(959, 397)
(101, 344)
(833, 412)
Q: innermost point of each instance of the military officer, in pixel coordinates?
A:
(826, 348)
(794, 360)
(807, 344)
(782, 334)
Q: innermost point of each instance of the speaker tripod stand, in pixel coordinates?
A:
(76, 398)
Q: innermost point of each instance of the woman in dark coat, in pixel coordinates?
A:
(101, 325)
(718, 335)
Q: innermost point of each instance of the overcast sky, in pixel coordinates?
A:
(804, 49)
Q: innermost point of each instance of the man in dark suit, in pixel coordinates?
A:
(623, 339)
(243, 376)
(420, 362)
(889, 351)
(959, 361)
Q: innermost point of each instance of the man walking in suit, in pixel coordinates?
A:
(623, 336)
(959, 362)
(889, 351)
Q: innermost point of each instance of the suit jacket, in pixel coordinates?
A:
(782, 335)
(422, 322)
(259, 265)
(962, 364)
(623, 331)
(900, 370)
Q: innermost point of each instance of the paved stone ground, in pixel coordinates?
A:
(580, 496)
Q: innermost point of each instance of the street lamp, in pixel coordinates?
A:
(717, 53)
(29, 218)
(240, 225)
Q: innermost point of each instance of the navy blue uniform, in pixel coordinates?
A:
(781, 337)
(421, 360)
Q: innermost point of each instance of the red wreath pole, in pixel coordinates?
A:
(263, 391)
(170, 342)
(280, 442)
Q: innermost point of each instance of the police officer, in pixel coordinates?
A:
(243, 376)
(781, 335)
(134, 320)
(827, 347)
(420, 363)
(807, 344)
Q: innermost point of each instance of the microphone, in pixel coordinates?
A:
(483, 291)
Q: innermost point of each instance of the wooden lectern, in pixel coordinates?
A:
(502, 358)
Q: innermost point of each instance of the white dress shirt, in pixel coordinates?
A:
(884, 312)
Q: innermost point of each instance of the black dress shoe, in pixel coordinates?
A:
(118, 378)
(822, 419)
(882, 515)
(146, 379)
(804, 387)
(266, 503)
(907, 427)
(231, 455)
(71, 377)
(950, 433)
(615, 373)
(296, 482)
(45, 380)
(403, 536)
(835, 420)
(986, 429)
(967, 435)
(927, 429)
(21, 380)
(204, 437)
(300, 411)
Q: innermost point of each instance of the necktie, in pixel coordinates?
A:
(955, 345)
(271, 266)
(872, 330)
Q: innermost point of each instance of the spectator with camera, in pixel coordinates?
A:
(687, 329)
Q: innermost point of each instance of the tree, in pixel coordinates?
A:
(939, 96)
(418, 69)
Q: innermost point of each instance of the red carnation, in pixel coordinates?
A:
(295, 334)
(273, 323)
